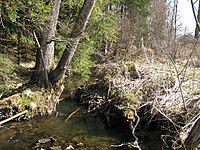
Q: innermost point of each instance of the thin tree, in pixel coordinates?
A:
(197, 18)
(197, 29)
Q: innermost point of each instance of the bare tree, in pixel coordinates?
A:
(197, 29)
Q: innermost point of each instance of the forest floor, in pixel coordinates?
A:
(18, 95)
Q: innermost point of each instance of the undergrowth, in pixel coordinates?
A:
(7, 69)
(6, 64)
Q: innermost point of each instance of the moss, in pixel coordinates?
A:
(6, 69)
(26, 101)
(77, 139)
(4, 86)
(131, 68)
(193, 91)
(129, 96)
(198, 147)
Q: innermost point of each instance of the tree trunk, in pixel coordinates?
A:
(197, 24)
(79, 27)
(45, 53)
(49, 37)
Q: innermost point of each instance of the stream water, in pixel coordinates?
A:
(79, 132)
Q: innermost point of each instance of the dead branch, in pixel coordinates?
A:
(13, 117)
(72, 114)
(175, 125)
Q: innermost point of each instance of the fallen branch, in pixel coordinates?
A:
(72, 114)
(13, 117)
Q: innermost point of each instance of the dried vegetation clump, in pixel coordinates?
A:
(38, 102)
(122, 90)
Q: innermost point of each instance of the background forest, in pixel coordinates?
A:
(117, 30)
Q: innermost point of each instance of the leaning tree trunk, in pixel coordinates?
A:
(79, 27)
(45, 53)
(193, 137)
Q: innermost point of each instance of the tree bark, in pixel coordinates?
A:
(45, 53)
(50, 31)
(79, 27)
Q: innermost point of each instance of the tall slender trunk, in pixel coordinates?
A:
(79, 27)
(197, 29)
(45, 53)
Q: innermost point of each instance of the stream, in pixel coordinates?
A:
(80, 131)
(51, 132)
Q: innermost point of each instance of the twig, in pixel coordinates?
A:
(36, 39)
(179, 81)
(13, 117)
(191, 121)
(72, 114)
(132, 144)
